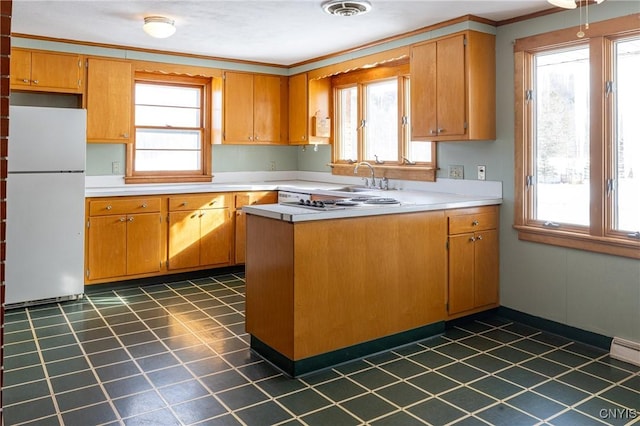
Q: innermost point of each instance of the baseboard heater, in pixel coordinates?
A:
(625, 350)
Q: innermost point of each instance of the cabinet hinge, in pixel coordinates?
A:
(79, 63)
(529, 180)
(87, 273)
(611, 186)
(88, 223)
(79, 82)
(464, 41)
(466, 125)
(86, 63)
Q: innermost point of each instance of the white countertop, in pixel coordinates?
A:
(410, 202)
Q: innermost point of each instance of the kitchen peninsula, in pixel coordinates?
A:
(327, 285)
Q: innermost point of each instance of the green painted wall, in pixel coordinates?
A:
(594, 292)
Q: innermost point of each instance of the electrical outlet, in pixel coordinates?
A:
(481, 172)
(115, 168)
(456, 172)
(273, 165)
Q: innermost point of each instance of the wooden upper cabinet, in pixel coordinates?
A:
(453, 88)
(308, 99)
(46, 71)
(109, 100)
(298, 110)
(253, 106)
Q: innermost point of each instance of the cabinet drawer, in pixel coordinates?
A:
(123, 206)
(249, 198)
(460, 224)
(195, 202)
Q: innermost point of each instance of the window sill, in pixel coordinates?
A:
(624, 247)
(415, 172)
(167, 179)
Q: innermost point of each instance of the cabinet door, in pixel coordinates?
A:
(266, 108)
(56, 71)
(184, 239)
(298, 111)
(20, 68)
(461, 273)
(241, 237)
(450, 84)
(109, 100)
(143, 243)
(486, 268)
(107, 247)
(215, 236)
(423, 91)
(238, 108)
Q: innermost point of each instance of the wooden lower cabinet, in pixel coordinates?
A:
(473, 269)
(202, 236)
(246, 199)
(122, 240)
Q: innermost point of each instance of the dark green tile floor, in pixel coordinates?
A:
(177, 354)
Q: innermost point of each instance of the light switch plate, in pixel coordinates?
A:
(456, 172)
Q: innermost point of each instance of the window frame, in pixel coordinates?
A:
(599, 236)
(399, 71)
(204, 174)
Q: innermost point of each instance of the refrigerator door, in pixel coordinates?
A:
(45, 236)
(47, 139)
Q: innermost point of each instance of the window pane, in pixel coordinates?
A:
(419, 151)
(561, 145)
(348, 124)
(163, 116)
(381, 116)
(167, 139)
(167, 160)
(158, 94)
(627, 136)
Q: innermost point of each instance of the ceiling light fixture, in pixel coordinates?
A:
(572, 4)
(346, 8)
(159, 26)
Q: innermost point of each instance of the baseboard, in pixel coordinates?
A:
(573, 333)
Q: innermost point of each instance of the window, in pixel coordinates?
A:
(372, 124)
(171, 130)
(577, 139)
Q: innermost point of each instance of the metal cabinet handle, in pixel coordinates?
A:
(130, 218)
(479, 237)
(472, 239)
(109, 207)
(144, 205)
(25, 80)
(475, 223)
(440, 130)
(122, 219)
(125, 135)
(433, 132)
(250, 138)
(184, 204)
(256, 137)
(36, 81)
(304, 137)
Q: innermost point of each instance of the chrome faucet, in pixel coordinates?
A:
(373, 176)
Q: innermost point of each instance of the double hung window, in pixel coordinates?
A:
(171, 129)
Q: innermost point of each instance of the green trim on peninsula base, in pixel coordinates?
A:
(330, 359)
(573, 333)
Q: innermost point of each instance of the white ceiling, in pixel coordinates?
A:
(269, 31)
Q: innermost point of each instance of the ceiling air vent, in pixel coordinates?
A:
(346, 8)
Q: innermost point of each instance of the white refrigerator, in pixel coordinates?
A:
(45, 205)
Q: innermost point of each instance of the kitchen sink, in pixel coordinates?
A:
(355, 189)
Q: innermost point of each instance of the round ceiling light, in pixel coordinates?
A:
(346, 8)
(159, 26)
